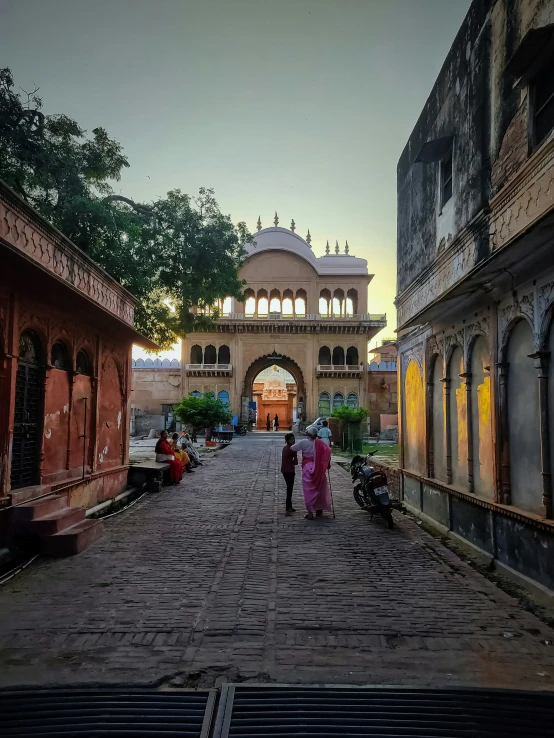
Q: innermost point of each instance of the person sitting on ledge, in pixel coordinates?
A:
(181, 455)
(165, 453)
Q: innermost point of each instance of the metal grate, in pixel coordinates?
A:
(247, 711)
(26, 435)
(106, 712)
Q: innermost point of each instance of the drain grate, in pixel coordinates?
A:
(247, 711)
(105, 712)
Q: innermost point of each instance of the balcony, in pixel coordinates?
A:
(342, 370)
(358, 318)
(212, 370)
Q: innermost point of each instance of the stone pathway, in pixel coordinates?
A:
(209, 579)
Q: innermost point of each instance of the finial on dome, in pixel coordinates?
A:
(276, 219)
(327, 249)
(336, 247)
(259, 223)
(309, 238)
(346, 248)
(292, 225)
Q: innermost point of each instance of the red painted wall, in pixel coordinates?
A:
(56, 425)
(111, 415)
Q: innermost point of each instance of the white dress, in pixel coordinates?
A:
(306, 446)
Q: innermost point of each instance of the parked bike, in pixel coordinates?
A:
(371, 490)
(241, 430)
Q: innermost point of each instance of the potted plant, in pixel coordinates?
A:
(202, 412)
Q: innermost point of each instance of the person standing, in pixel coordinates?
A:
(268, 423)
(316, 456)
(325, 434)
(276, 422)
(289, 460)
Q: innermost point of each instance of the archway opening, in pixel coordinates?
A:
(274, 393)
(274, 385)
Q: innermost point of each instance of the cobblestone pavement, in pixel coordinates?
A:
(209, 580)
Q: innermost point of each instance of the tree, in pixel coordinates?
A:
(350, 420)
(172, 254)
(202, 412)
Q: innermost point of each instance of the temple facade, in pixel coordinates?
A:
(476, 291)
(304, 314)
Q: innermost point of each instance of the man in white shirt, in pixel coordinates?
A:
(325, 434)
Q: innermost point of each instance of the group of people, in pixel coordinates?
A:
(316, 451)
(275, 422)
(179, 453)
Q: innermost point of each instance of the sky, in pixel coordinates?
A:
(297, 106)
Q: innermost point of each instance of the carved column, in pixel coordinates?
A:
(447, 424)
(429, 430)
(72, 376)
(542, 364)
(506, 487)
(466, 377)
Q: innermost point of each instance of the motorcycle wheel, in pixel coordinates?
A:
(358, 496)
(243, 431)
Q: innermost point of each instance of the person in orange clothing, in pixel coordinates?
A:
(164, 452)
(181, 455)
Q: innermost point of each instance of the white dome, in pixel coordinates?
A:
(281, 239)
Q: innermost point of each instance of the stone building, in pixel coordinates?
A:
(382, 388)
(66, 333)
(476, 289)
(302, 313)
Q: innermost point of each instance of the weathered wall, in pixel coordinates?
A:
(382, 395)
(31, 305)
(462, 84)
(482, 446)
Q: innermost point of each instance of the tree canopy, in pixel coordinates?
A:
(202, 412)
(173, 254)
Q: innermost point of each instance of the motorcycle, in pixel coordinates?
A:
(241, 430)
(371, 490)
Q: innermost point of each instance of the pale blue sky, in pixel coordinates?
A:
(299, 106)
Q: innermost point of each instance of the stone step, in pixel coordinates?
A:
(55, 522)
(39, 508)
(73, 540)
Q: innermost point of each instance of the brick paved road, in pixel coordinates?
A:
(210, 579)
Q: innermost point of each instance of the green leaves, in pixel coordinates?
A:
(178, 249)
(348, 415)
(202, 412)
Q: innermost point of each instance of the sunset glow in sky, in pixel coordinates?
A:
(299, 106)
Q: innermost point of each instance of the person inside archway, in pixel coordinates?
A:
(316, 457)
(276, 422)
(164, 453)
(268, 423)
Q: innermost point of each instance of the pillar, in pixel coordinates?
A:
(430, 471)
(466, 377)
(448, 433)
(542, 363)
(505, 484)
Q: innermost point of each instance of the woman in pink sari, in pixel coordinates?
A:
(315, 462)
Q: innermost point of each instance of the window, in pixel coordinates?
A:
(223, 355)
(196, 393)
(446, 179)
(210, 355)
(83, 364)
(224, 397)
(324, 405)
(352, 400)
(543, 103)
(338, 400)
(338, 356)
(250, 304)
(196, 354)
(324, 357)
(352, 356)
(60, 357)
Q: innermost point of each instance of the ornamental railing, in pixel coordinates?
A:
(209, 367)
(340, 367)
(360, 317)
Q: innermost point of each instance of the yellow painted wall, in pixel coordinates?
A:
(414, 419)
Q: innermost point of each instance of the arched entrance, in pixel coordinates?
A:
(298, 407)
